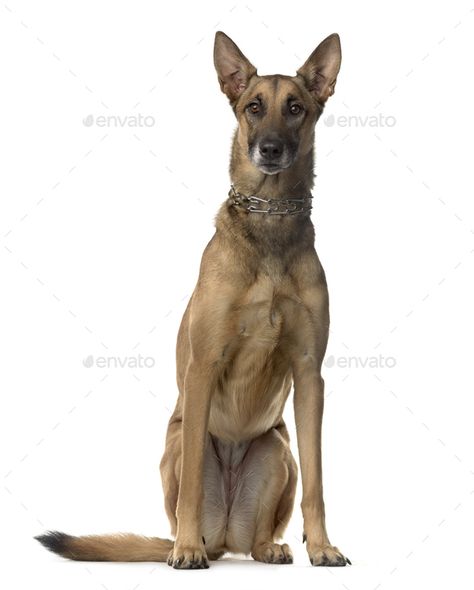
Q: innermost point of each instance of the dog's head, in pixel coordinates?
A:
(276, 114)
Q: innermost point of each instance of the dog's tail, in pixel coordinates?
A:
(119, 547)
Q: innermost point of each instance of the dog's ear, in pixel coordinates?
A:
(321, 68)
(233, 69)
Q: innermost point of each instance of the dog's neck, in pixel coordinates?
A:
(296, 181)
(260, 236)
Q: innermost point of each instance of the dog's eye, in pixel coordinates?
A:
(295, 109)
(254, 108)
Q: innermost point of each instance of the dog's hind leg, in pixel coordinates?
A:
(170, 468)
(249, 490)
(259, 510)
(279, 477)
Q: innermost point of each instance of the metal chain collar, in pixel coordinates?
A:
(253, 204)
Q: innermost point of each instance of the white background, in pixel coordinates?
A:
(102, 229)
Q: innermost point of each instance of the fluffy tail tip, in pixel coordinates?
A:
(54, 541)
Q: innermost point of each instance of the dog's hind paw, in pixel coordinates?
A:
(272, 553)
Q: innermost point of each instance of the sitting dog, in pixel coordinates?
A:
(256, 325)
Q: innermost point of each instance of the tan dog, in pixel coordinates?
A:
(256, 323)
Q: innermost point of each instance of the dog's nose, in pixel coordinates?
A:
(271, 149)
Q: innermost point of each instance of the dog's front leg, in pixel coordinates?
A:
(309, 403)
(189, 552)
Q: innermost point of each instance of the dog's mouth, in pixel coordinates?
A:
(270, 166)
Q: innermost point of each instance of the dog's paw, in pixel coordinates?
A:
(272, 553)
(326, 555)
(188, 558)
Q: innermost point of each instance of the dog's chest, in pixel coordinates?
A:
(259, 318)
(255, 378)
(268, 310)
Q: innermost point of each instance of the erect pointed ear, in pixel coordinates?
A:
(233, 69)
(321, 68)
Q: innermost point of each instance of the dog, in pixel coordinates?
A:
(257, 324)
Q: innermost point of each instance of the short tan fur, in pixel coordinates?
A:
(256, 325)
